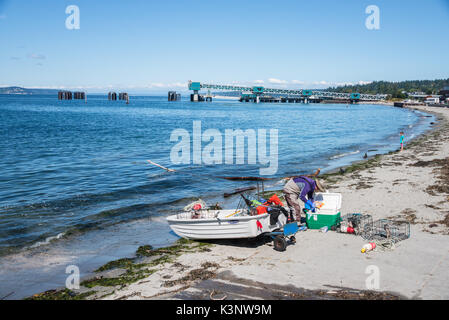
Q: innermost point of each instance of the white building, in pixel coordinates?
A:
(432, 99)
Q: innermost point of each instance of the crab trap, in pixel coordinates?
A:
(385, 229)
(248, 202)
(355, 223)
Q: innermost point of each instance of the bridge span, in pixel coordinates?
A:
(258, 91)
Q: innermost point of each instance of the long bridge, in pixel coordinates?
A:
(257, 92)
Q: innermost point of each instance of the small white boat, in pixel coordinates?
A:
(223, 224)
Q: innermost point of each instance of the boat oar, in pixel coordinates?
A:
(162, 167)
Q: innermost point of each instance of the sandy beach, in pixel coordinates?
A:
(411, 185)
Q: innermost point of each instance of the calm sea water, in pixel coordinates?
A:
(75, 187)
(70, 166)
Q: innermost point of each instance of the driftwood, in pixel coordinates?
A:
(317, 172)
(314, 175)
(246, 178)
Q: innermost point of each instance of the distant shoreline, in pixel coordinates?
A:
(20, 91)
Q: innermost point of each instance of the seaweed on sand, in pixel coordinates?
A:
(130, 270)
(445, 221)
(65, 294)
(441, 185)
(202, 273)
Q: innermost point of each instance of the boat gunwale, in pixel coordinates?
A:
(173, 218)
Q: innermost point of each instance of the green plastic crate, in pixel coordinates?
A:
(317, 221)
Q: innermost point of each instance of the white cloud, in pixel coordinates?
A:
(156, 85)
(297, 82)
(259, 81)
(36, 56)
(160, 85)
(45, 87)
(277, 81)
(321, 83)
(341, 84)
(364, 82)
(2, 16)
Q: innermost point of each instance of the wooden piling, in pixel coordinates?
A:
(112, 96)
(173, 96)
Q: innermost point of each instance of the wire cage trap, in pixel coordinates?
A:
(248, 202)
(361, 223)
(385, 229)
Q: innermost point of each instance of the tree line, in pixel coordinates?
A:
(395, 89)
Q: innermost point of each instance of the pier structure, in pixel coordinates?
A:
(68, 95)
(249, 97)
(79, 95)
(208, 96)
(195, 87)
(112, 96)
(261, 94)
(65, 95)
(123, 96)
(173, 96)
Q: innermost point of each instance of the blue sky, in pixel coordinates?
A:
(152, 46)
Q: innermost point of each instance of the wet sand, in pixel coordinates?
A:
(412, 186)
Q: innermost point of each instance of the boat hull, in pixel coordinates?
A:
(224, 226)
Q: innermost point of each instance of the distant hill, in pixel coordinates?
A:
(25, 91)
(395, 89)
